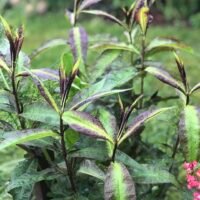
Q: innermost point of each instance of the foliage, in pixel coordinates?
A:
(90, 118)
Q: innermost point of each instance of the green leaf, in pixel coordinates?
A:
(118, 183)
(149, 174)
(85, 102)
(78, 41)
(47, 45)
(87, 3)
(145, 174)
(71, 137)
(115, 46)
(7, 102)
(110, 124)
(96, 152)
(112, 80)
(90, 168)
(103, 63)
(139, 122)
(45, 93)
(195, 88)
(143, 18)
(4, 66)
(86, 124)
(165, 44)
(67, 63)
(41, 113)
(24, 177)
(165, 77)
(19, 137)
(189, 132)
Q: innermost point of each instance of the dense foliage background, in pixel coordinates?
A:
(45, 20)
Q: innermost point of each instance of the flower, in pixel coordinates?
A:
(196, 195)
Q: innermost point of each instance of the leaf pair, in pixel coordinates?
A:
(166, 78)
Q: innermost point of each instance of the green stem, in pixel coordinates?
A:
(142, 69)
(114, 152)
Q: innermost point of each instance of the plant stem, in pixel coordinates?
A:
(15, 94)
(174, 153)
(114, 152)
(142, 69)
(64, 151)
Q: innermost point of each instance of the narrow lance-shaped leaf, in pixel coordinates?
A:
(86, 124)
(45, 93)
(182, 72)
(78, 41)
(139, 122)
(70, 16)
(103, 62)
(94, 97)
(189, 132)
(87, 3)
(138, 4)
(110, 124)
(143, 18)
(165, 77)
(165, 44)
(4, 66)
(7, 28)
(18, 137)
(119, 184)
(195, 88)
(115, 46)
(90, 168)
(43, 74)
(47, 45)
(105, 14)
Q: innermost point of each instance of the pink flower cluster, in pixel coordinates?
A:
(193, 178)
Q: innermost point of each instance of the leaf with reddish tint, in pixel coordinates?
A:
(118, 183)
(43, 74)
(165, 77)
(87, 3)
(46, 94)
(70, 16)
(86, 124)
(181, 69)
(78, 41)
(139, 121)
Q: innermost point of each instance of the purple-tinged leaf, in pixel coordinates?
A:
(86, 124)
(181, 69)
(189, 132)
(45, 93)
(43, 74)
(195, 88)
(78, 41)
(105, 14)
(95, 97)
(165, 77)
(118, 183)
(139, 121)
(87, 3)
